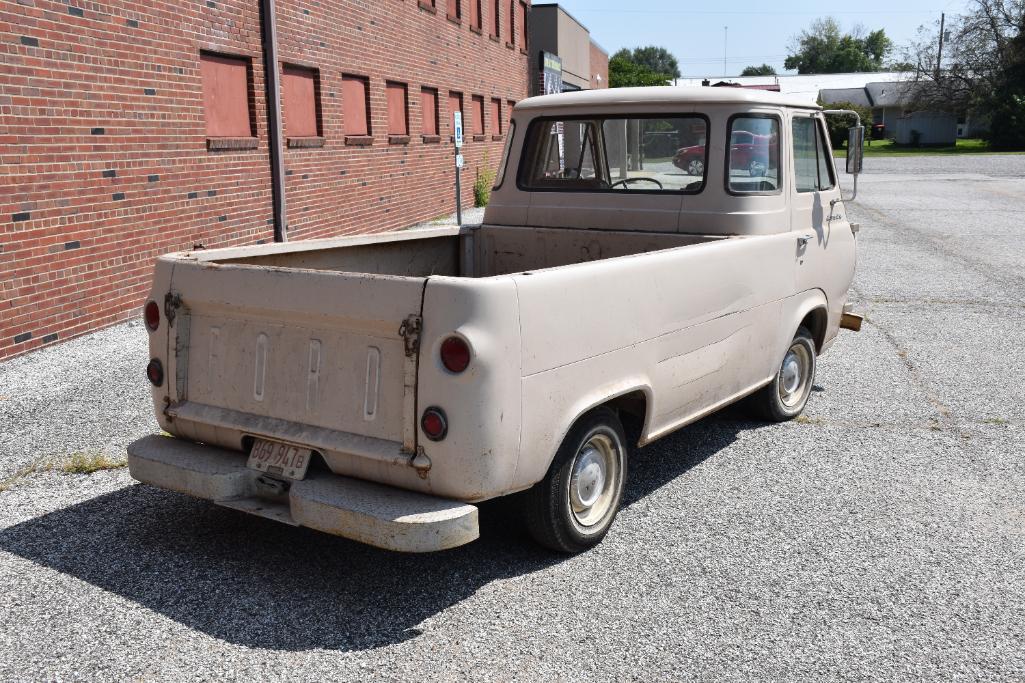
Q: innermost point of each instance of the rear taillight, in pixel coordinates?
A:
(455, 354)
(434, 424)
(152, 316)
(155, 372)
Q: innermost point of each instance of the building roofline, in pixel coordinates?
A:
(557, 6)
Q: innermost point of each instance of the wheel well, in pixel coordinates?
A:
(815, 322)
(632, 409)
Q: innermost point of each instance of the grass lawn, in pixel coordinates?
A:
(886, 148)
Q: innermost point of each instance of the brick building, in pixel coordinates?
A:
(130, 129)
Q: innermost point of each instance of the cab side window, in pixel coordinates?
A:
(753, 155)
(812, 166)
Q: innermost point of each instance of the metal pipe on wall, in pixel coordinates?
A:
(272, 77)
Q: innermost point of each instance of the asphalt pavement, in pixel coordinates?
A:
(882, 536)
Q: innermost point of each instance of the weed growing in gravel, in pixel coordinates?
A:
(805, 420)
(9, 482)
(78, 463)
(996, 421)
(87, 463)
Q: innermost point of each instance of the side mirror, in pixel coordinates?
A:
(855, 149)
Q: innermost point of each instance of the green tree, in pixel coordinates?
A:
(763, 70)
(656, 59)
(982, 71)
(823, 48)
(1007, 106)
(642, 66)
(624, 73)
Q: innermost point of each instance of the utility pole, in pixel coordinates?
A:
(725, 41)
(939, 53)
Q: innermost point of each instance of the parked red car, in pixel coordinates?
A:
(748, 152)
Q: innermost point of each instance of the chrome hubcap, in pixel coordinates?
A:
(696, 168)
(588, 478)
(594, 480)
(794, 375)
(791, 373)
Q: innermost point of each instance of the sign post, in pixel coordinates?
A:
(457, 127)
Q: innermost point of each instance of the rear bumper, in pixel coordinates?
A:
(378, 515)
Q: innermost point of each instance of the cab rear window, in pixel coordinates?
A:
(616, 154)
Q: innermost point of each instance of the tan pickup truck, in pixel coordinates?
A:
(648, 256)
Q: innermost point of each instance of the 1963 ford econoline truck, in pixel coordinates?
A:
(376, 387)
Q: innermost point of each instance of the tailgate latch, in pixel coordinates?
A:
(410, 333)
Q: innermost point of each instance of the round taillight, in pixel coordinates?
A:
(152, 316)
(155, 372)
(434, 424)
(455, 354)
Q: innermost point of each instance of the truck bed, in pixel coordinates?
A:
(317, 343)
(477, 252)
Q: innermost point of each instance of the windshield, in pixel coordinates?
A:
(617, 154)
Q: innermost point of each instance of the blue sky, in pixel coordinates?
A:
(758, 31)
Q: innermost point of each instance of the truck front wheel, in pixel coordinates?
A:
(786, 395)
(572, 508)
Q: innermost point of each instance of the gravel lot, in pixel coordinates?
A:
(881, 537)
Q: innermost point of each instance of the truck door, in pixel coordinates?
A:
(824, 241)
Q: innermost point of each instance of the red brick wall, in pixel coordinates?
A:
(599, 66)
(103, 149)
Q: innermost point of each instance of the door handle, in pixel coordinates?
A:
(803, 240)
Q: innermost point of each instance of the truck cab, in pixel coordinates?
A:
(648, 256)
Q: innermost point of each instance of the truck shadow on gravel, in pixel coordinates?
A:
(261, 584)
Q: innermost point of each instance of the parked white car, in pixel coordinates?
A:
(376, 387)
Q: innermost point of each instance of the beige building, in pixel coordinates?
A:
(585, 65)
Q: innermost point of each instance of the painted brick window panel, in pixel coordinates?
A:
(478, 115)
(494, 17)
(455, 103)
(225, 95)
(455, 8)
(513, 23)
(521, 25)
(299, 92)
(497, 125)
(429, 110)
(397, 109)
(475, 14)
(355, 105)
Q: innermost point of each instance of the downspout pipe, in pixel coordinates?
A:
(272, 78)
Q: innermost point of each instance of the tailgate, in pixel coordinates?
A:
(299, 347)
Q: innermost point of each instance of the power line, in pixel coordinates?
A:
(746, 12)
(704, 58)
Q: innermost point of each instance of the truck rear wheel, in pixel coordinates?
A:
(572, 508)
(785, 397)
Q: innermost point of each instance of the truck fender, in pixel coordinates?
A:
(796, 309)
(603, 396)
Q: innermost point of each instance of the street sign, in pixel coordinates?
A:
(457, 137)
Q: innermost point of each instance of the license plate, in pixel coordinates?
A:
(274, 457)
